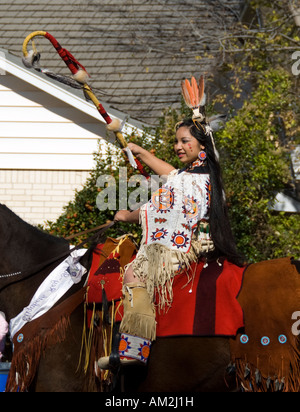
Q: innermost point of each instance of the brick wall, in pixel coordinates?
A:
(37, 196)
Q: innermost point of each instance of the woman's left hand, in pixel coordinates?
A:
(122, 216)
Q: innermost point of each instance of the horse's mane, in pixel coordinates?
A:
(11, 219)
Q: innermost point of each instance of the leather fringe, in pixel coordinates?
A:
(139, 313)
(137, 324)
(37, 336)
(157, 266)
(252, 379)
(26, 360)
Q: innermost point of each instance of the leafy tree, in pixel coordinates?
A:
(257, 141)
(256, 168)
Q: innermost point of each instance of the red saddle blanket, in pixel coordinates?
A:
(206, 306)
(107, 269)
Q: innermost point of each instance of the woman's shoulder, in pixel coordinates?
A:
(174, 172)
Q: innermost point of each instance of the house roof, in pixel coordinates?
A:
(41, 118)
(74, 97)
(136, 51)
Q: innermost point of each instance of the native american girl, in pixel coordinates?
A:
(184, 221)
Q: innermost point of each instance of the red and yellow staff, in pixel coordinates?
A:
(81, 76)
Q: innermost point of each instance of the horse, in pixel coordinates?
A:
(25, 247)
(267, 293)
(176, 364)
(34, 253)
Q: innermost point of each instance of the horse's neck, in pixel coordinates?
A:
(24, 249)
(28, 246)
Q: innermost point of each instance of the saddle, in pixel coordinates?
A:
(204, 302)
(106, 274)
(260, 301)
(104, 307)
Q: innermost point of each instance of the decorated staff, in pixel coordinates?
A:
(79, 81)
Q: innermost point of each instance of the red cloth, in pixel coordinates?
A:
(106, 275)
(208, 307)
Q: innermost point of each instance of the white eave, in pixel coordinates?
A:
(73, 97)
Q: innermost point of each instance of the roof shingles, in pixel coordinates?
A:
(136, 51)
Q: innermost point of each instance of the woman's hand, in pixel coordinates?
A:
(127, 216)
(136, 150)
(122, 216)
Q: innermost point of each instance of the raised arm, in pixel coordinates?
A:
(158, 166)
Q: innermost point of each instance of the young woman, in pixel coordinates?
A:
(184, 221)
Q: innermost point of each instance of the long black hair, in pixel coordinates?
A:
(220, 227)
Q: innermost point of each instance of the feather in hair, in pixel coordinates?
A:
(193, 93)
(190, 91)
(185, 93)
(202, 95)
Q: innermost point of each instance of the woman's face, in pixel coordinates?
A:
(186, 145)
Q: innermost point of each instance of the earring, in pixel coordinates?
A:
(202, 156)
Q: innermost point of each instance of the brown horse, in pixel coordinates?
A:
(177, 364)
(269, 297)
(200, 364)
(26, 249)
